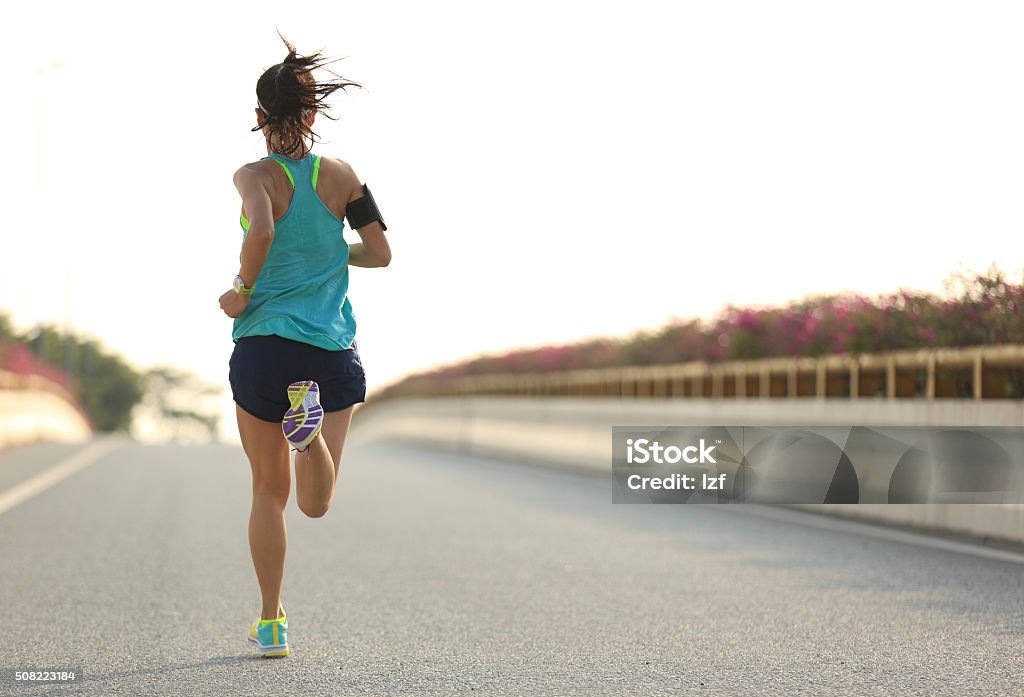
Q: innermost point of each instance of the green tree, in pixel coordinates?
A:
(6, 329)
(107, 385)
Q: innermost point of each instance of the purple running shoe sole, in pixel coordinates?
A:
(303, 420)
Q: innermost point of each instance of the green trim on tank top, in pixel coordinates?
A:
(284, 167)
(316, 171)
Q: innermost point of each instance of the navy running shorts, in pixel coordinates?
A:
(262, 367)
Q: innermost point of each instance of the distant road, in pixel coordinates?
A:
(444, 574)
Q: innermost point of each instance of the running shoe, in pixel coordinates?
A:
(270, 636)
(302, 422)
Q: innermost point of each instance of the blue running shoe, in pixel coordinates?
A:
(302, 422)
(270, 636)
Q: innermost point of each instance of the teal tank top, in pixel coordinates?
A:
(302, 290)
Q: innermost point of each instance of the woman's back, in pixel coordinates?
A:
(302, 293)
(336, 185)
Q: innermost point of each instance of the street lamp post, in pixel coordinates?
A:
(42, 73)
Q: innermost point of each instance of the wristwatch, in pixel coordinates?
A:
(239, 285)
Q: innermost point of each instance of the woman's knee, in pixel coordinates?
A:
(315, 510)
(313, 507)
(275, 488)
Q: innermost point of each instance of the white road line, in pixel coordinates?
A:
(56, 474)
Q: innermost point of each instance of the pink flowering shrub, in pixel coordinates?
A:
(18, 359)
(974, 310)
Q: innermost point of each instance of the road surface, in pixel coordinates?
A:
(440, 573)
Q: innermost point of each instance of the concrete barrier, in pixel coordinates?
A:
(576, 433)
(34, 409)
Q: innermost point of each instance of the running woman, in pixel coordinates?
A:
(295, 372)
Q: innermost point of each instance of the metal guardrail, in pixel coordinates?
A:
(980, 372)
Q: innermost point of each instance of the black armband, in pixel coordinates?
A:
(363, 211)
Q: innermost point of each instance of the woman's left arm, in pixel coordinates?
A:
(252, 187)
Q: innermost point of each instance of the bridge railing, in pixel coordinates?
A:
(979, 372)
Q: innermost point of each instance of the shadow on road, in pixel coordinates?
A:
(163, 670)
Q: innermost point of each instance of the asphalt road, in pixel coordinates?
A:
(445, 574)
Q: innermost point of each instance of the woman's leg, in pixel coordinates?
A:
(316, 470)
(267, 450)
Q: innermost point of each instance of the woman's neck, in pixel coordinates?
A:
(291, 155)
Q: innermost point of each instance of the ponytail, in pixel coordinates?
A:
(288, 94)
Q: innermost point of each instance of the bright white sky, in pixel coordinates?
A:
(548, 170)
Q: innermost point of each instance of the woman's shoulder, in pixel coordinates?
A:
(339, 175)
(338, 166)
(260, 169)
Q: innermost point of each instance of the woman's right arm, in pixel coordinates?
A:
(373, 251)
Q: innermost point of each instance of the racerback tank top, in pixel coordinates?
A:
(302, 290)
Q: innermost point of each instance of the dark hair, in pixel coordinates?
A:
(288, 92)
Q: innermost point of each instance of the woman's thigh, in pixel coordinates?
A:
(335, 432)
(265, 446)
